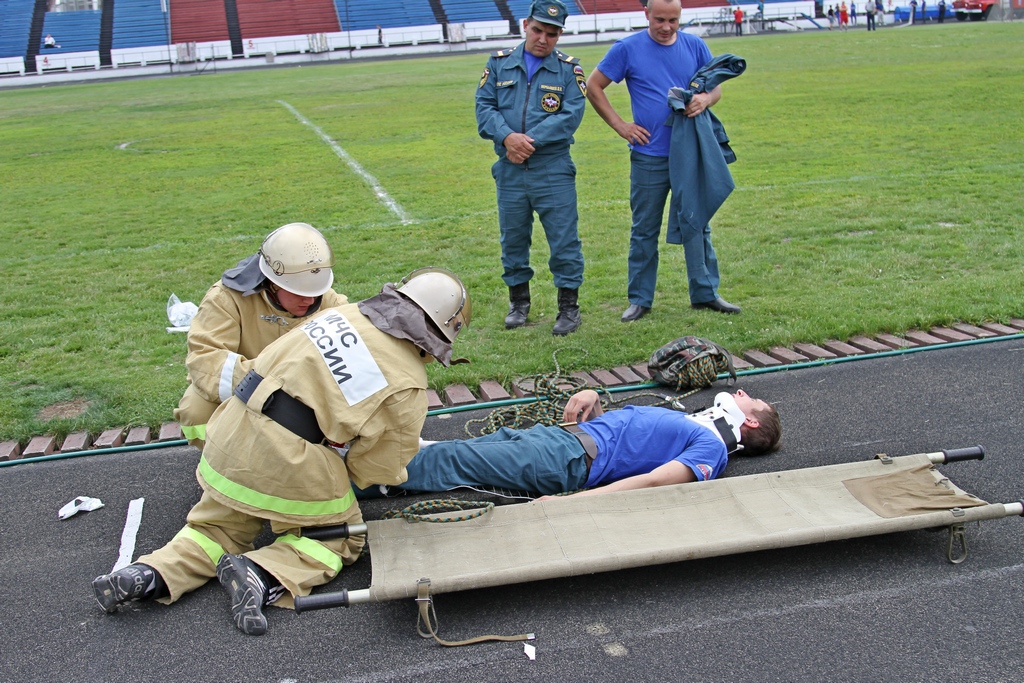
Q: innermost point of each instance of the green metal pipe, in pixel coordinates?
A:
(529, 399)
(98, 451)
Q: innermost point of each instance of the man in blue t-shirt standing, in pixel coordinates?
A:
(660, 58)
(632, 448)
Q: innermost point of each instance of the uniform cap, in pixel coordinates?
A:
(549, 12)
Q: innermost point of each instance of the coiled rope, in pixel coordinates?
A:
(552, 390)
(418, 512)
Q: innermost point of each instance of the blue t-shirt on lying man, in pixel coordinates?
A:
(638, 439)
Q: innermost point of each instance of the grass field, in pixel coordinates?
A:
(878, 189)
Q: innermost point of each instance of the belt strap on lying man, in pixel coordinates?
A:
(586, 440)
(283, 408)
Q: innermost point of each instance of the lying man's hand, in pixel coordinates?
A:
(582, 406)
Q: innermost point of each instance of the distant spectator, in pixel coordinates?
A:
(853, 12)
(738, 18)
(942, 10)
(869, 9)
(844, 17)
(831, 17)
(380, 35)
(50, 42)
(924, 11)
(760, 12)
(913, 10)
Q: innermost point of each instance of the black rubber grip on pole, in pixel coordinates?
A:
(325, 533)
(970, 453)
(321, 601)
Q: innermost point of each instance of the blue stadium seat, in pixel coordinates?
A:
(15, 22)
(366, 14)
(73, 31)
(471, 10)
(139, 23)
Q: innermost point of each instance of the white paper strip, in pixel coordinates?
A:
(131, 528)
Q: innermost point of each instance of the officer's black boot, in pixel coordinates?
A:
(134, 582)
(251, 588)
(569, 318)
(519, 305)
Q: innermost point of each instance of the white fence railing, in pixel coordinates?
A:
(68, 61)
(12, 65)
(141, 56)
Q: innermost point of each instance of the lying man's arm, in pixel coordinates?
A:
(672, 472)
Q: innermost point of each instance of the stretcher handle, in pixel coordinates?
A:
(326, 533)
(321, 601)
(969, 453)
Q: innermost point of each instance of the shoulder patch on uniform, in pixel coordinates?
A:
(566, 58)
(581, 80)
(483, 78)
(502, 53)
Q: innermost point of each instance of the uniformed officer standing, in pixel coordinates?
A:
(352, 374)
(530, 102)
(266, 295)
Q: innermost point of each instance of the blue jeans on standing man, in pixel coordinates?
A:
(649, 187)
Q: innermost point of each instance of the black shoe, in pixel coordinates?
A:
(719, 304)
(134, 582)
(519, 306)
(634, 312)
(569, 317)
(243, 580)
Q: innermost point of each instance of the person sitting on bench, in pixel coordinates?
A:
(632, 448)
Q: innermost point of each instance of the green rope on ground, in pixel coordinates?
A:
(417, 512)
(552, 390)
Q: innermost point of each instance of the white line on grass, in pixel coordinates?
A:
(353, 164)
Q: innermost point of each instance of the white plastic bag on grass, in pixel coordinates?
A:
(180, 314)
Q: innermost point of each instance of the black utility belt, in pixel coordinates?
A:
(283, 408)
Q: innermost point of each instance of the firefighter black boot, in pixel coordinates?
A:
(569, 318)
(251, 589)
(519, 305)
(134, 582)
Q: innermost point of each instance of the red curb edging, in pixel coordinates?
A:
(112, 438)
(433, 400)
(760, 360)
(10, 450)
(895, 342)
(137, 436)
(868, 345)
(973, 331)
(814, 352)
(841, 348)
(492, 391)
(170, 431)
(787, 356)
(40, 445)
(923, 338)
(79, 441)
(459, 395)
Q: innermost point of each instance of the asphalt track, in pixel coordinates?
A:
(883, 608)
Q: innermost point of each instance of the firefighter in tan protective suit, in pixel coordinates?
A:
(352, 374)
(255, 303)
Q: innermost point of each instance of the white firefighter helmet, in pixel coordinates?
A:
(297, 258)
(442, 297)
